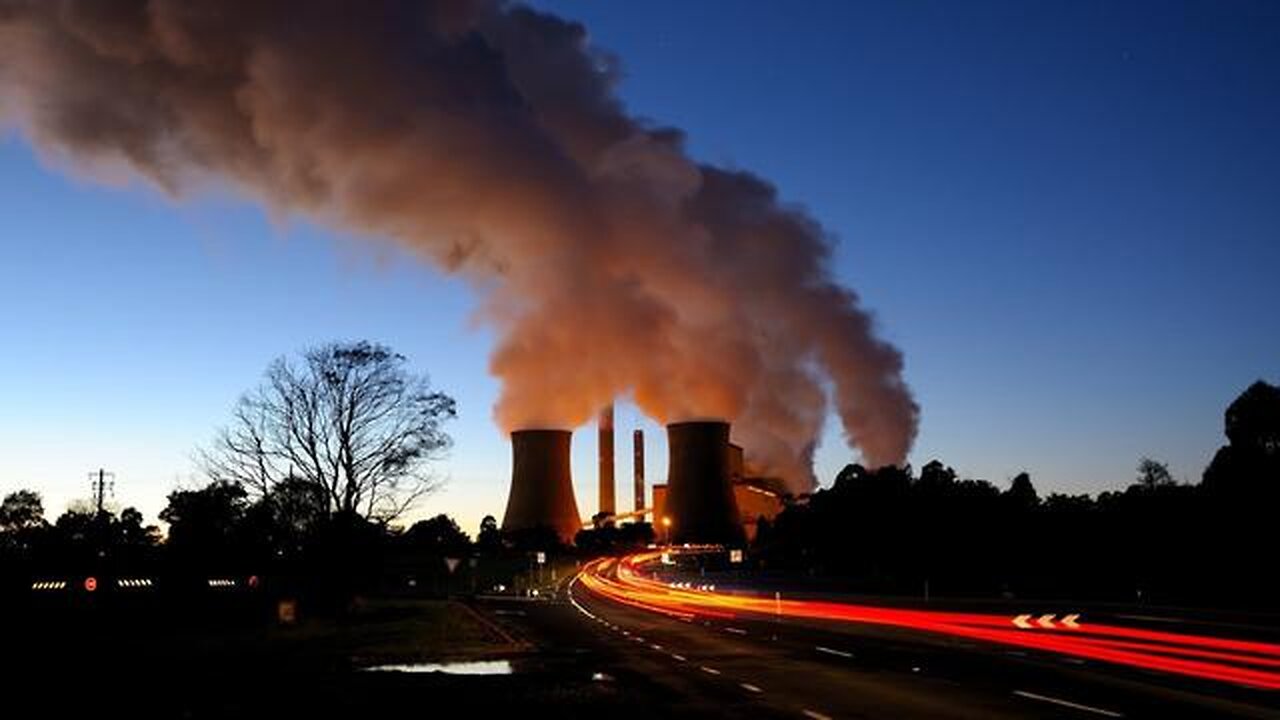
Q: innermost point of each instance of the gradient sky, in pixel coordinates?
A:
(1067, 215)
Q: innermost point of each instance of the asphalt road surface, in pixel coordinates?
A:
(743, 667)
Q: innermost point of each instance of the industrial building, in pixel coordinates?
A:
(758, 498)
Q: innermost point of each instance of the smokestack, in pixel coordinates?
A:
(541, 487)
(700, 498)
(637, 463)
(605, 423)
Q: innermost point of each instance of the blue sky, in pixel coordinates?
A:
(1067, 215)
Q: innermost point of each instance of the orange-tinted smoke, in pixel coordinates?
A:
(487, 138)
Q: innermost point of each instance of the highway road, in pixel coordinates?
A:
(753, 665)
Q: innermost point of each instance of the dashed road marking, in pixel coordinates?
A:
(1067, 703)
(816, 715)
(1153, 618)
(750, 688)
(710, 670)
(681, 658)
(833, 651)
(735, 631)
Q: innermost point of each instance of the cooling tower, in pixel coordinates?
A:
(541, 487)
(700, 498)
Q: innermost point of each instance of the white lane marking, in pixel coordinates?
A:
(681, 658)
(736, 631)
(1067, 703)
(833, 651)
(750, 688)
(710, 670)
(1153, 618)
(575, 602)
(657, 647)
(816, 715)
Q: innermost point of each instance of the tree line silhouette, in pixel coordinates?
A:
(1157, 541)
(288, 539)
(886, 530)
(292, 539)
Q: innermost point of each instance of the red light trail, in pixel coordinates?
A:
(1243, 662)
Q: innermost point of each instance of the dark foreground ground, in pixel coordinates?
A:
(571, 656)
(228, 663)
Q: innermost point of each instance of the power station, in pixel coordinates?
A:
(701, 502)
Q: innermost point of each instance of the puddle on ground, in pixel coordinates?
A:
(474, 667)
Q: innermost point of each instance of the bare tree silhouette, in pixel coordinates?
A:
(349, 420)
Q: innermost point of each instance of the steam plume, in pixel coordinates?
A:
(486, 137)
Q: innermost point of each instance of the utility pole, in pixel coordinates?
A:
(99, 483)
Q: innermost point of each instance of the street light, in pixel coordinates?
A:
(666, 530)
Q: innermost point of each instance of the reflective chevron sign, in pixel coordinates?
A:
(1030, 622)
(49, 585)
(133, 582)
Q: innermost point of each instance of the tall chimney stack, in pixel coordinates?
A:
(637, 458)
(541, 487)
(605, 423)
